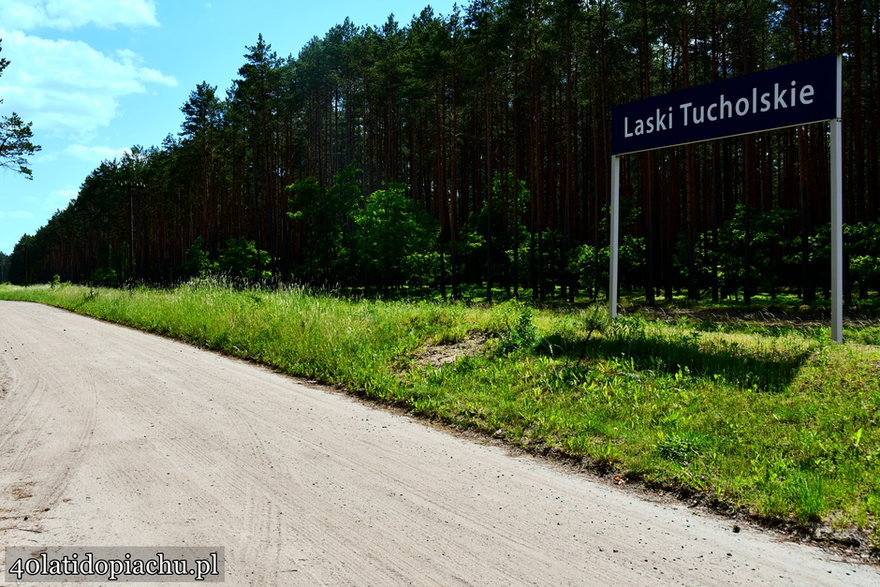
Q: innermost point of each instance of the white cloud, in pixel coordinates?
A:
(70, 14)
(94, 154)
(68, 86)
(65, 194)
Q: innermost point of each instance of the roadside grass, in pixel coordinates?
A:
(774, 421)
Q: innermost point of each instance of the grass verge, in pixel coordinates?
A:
(774, 421)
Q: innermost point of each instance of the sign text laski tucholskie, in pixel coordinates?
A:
(800, 93)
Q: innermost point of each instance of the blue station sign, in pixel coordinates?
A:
(800, 93)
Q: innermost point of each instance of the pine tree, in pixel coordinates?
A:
(15, 138)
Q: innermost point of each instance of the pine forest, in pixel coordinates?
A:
(470, 152)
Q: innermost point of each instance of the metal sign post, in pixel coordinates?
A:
(836, 156)
(615, 233)
(793, 95)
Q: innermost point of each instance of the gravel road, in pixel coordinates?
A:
(113, 437)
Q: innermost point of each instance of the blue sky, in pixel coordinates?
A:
(99, 76)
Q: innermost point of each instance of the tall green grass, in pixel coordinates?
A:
(777, 422)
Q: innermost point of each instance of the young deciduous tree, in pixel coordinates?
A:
(394, 242)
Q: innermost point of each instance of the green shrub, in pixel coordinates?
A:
(520, 333)
(196, 262)
(241, 260)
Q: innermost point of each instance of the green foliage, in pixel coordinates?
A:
(519, 333)
(15, 139)
(497, 233)
(203, 115)
(242, 261)
(748, 249)
(15, 144)
(196, 261)
(862, 245)
(632, 258)
(590, 265)
(680, 449)
(595, 318)
(5, 267)
(394, 242)
(105, 276)
(866, 270)
(327, 214)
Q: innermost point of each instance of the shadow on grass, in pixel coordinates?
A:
(768, 371)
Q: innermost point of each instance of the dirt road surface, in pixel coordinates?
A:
(113, 437)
